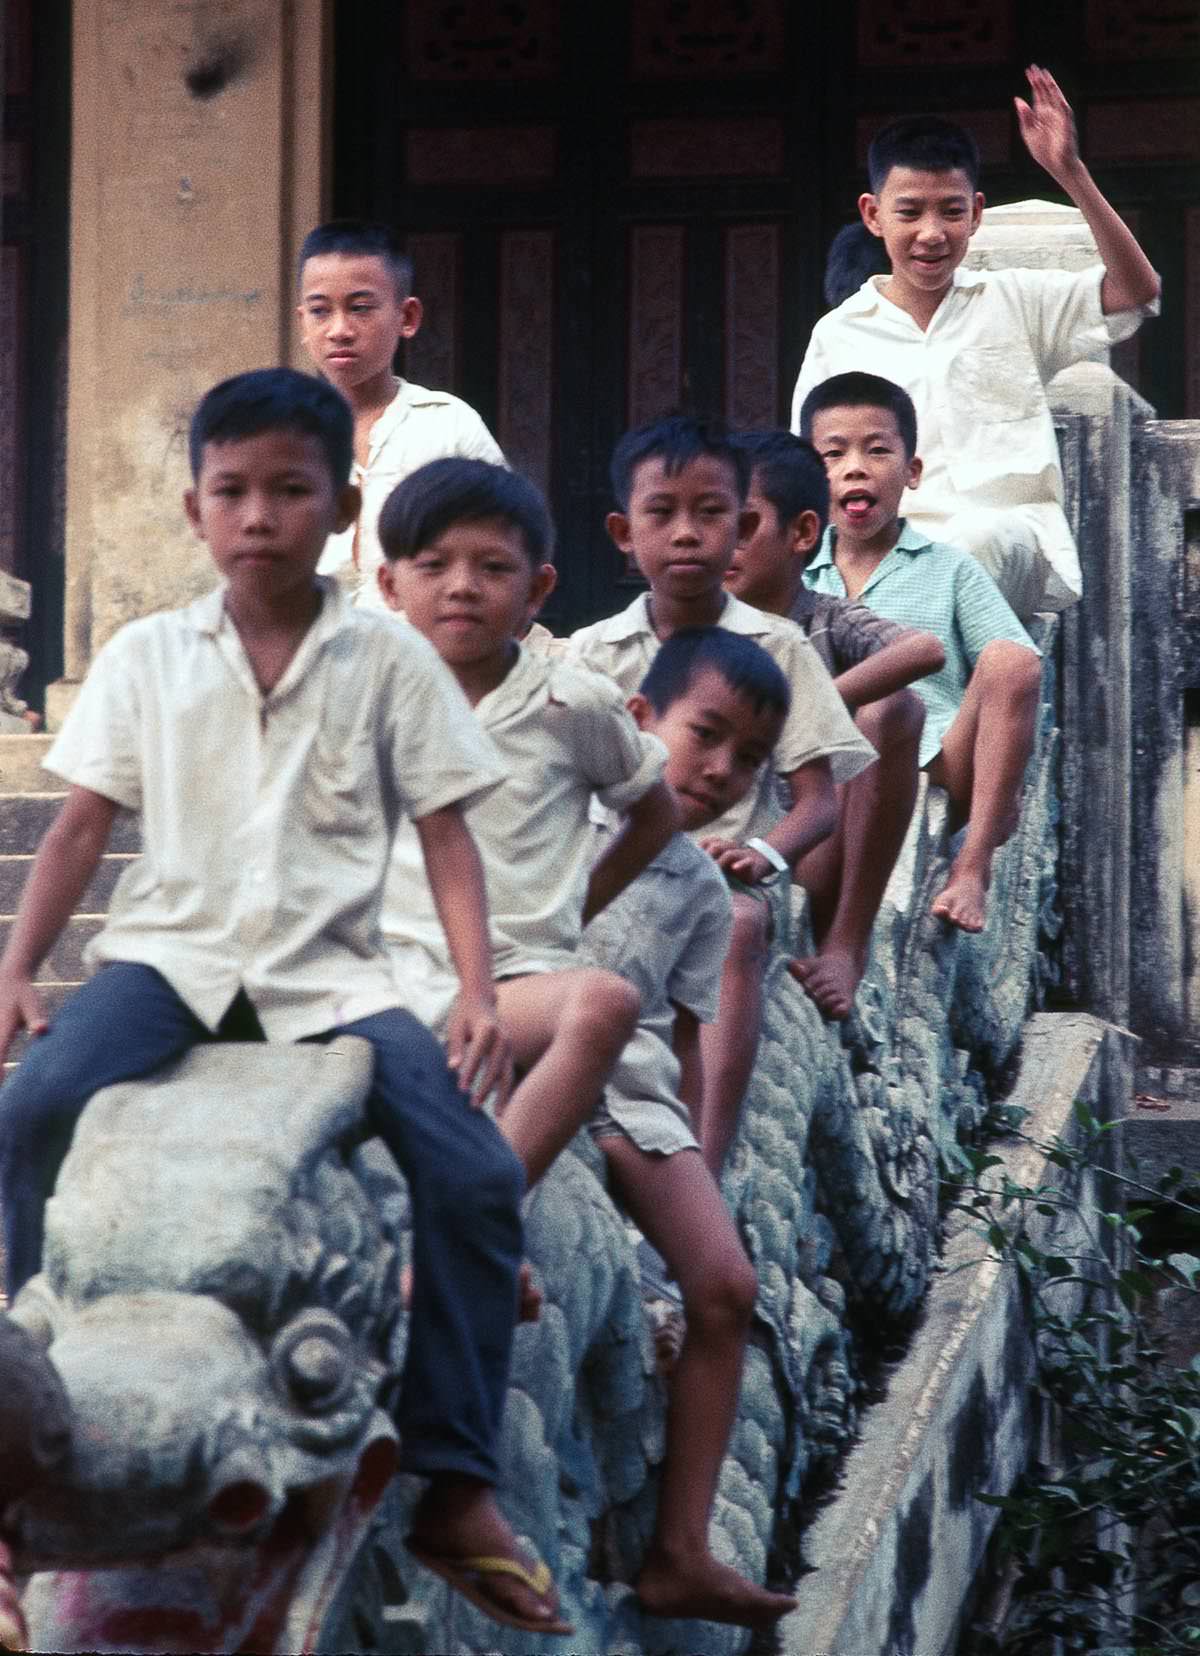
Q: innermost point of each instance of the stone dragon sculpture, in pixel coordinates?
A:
(195, 1446)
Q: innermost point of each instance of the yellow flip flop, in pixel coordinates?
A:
(469, 1576)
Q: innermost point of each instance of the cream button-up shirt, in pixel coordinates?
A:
(416, 426)
(267, 820)
(977, 376)
(817, 726)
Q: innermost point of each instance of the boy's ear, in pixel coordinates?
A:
(386, 576)
(411, 312)
(868, 207)
(915, 468)
(748, 522)
(191, 507)
(977, 207)
(641, 709)
(347, 506)
(804, 532)
(617, 525)
(545, 579)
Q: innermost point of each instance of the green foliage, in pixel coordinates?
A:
(1105, 1542)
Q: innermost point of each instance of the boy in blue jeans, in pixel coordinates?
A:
(266, 736)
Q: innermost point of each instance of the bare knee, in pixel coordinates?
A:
(892, 720)
(603, 1010)
(748, 942)
(1010, 670)
(722, 1302)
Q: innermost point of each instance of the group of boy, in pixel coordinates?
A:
(568, 859)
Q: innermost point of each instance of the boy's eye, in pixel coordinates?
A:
(360, 306)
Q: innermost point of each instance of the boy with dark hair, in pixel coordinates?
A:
(718, 702)
(975, 349)
(871, 660)
(265, 734)
(681, 484)
(468, 545)
(981, 708)
(356, 305)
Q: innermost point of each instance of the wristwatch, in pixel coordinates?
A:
(777, 862)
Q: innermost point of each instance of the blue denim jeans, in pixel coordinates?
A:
(465, 1186)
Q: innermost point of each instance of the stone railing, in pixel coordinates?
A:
(834, 1185)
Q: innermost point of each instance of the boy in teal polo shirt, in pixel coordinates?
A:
(981, 708)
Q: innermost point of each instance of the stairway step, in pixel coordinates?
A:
(64, 963)
(25, 817)
(15, 870)
(21, 765)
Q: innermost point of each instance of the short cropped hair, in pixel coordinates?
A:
(455, 490)
(275, 399)
(927, 143)
(744, 665)
(788, 472)
(363, 237)
(855, 253)
(676, 440)
(859, 390)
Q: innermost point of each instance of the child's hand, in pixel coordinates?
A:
(738, 860)
(479, 1051)
(20, 1008)
(1048, 127)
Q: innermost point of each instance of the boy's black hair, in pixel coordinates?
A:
(927, 143)
(788, 472)
(454, 490)
(275, 399)
(360, 236)
(859, 390)
(744, 665)
(854, 254)
(676, 440)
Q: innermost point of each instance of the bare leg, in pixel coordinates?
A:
(982, 766)
(730, 1046)
(876, 809)
(674, 1200)
(568, 1030)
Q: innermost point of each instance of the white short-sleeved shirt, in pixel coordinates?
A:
(416, 426)
(267, 819)
(563, 735)
(977, 377)
(817, 727)
(668, 934)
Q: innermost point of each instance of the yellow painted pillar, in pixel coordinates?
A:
(198, 146)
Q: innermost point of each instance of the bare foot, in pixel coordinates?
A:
(831, 978)
(457, 1526)
(700, 1588)
(529, 1296)
(962, 901)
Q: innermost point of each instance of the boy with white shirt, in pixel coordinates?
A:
(681, 485)
(468, 546)
(270, 738)
(356, 305)
(975, 349)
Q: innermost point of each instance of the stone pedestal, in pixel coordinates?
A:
(196, 169)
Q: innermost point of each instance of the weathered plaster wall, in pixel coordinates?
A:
(196, 163)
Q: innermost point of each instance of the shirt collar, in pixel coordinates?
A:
(208, 614)
(634, 621)
(869, 296)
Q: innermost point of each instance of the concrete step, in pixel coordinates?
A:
(25, 817)
(15, 869)
(64, 963)
(21, 765)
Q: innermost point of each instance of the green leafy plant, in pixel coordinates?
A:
(1100, 1541)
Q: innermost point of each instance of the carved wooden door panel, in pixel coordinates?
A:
(600, 204)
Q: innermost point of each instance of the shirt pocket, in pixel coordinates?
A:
(992, 384)
(342, 786)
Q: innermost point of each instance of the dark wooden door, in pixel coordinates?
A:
(601, 203)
